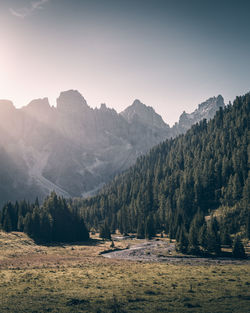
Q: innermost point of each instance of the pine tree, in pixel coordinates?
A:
(20, 223)
(225, 237)
(140, 229)
(203, 237)
(182, 244)
(105, 231)
(213, 238)
(238, 248)
(37, 203)
(46, 225)
(7, 225)
(248, 226)
(36, 223)
(113, 224)
(193, 244)
(28, 224)
(149, 227)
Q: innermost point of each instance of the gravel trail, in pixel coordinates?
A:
(162, 251)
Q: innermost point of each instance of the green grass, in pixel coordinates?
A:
(80, 280)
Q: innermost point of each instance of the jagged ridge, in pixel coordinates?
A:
(74, 149)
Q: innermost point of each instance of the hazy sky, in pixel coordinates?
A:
(170, 54)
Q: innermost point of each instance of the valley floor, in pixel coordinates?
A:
(76, 278)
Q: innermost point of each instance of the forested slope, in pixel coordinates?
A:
(53, 221)
(206, 169)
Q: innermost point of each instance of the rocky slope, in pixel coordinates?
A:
(206, 110)
(74, 149)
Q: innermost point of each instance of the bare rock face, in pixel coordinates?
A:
(74, 149)
(139, 112)
(71, 102)
(206, 110)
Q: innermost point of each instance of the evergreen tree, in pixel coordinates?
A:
(193, 244)
(37, 203)
(182, 244)
(28, 224)
(113, 224)
(105, 231)
(140, 229)
(149, 227)
(7, 225)
(238, 248)
(35, 231)
(213, 238)
(203, 236)
(20, 223)
(248, 226)
(225, 236)
(46, 225)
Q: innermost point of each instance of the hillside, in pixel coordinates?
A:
(206, 169)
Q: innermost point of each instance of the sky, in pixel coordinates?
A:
(170, 54)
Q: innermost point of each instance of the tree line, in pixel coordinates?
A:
(53, 221)
(207, 237)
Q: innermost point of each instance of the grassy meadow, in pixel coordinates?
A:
(76, 278)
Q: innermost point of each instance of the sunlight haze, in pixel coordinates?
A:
(170, 55)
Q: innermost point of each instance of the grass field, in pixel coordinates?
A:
(75, 278)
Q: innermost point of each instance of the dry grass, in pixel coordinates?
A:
(75, 278)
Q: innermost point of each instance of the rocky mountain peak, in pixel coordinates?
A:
(6, 106)
(137, 103)
(71, 101)
(39, 109)
(206, 110)
(103, 107)
(139, 112)
(39, 105)
(212, 103)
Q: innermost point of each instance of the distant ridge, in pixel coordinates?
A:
(74, 149)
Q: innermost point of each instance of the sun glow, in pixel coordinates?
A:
(5, 69)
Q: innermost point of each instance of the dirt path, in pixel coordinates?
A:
(162, 251)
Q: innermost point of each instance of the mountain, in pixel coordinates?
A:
(140, 113)
(206, 110)
(74, 149)
(182, 180)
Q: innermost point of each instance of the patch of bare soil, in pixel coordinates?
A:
(163, 251)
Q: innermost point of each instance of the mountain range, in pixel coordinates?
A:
(74, 149)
